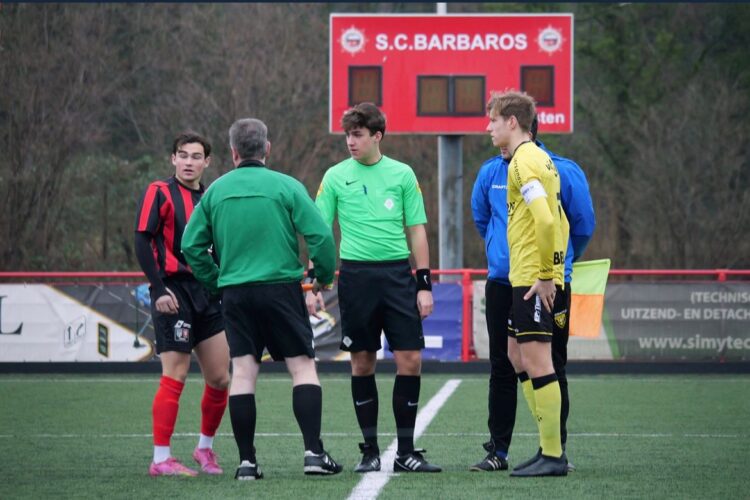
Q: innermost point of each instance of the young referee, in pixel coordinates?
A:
(251, 216)
(374, 197)
(186, 317)
(537, 238)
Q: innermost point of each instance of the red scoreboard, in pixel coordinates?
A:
(433, 74)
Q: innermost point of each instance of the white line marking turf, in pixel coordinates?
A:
(269, 378)
(296, 435)
(370, 485)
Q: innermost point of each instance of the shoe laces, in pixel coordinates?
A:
(174, 463)
(417, 453)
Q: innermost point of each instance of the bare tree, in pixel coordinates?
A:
(55, 79)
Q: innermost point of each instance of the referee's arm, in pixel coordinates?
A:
(196, 241)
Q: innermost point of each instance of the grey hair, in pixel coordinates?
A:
(248, 137)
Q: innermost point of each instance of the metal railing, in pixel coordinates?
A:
(466, 278)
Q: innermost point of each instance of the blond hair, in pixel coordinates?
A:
(513, 103)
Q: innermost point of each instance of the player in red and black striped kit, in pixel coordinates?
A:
(186, 317)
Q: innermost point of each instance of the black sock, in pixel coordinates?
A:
(307, 402)
(242, 413)
(405, 403)
(365, 397)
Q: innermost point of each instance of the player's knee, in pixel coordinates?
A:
(363, 364)
(175, 366)
(303, 371)
(408, 362)
(219, 381)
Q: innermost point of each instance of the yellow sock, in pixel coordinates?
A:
(548, 402)
(528, 393)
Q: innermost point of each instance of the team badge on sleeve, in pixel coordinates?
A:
(320, 189)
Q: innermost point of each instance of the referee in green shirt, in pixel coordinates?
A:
(251, 218)
(375, 197)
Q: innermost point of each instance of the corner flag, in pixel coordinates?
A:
(587, 297)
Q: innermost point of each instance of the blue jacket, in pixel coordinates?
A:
(490, 210)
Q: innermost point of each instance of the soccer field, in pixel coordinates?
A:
(89, 436)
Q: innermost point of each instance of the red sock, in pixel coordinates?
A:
(164, 409)
(213, 404)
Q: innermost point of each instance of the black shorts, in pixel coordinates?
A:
(529, 320)
(198, 317)
(267, 316)
(377, 297)
(498, 300)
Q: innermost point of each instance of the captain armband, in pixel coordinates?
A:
(423, 280)
(532, 190)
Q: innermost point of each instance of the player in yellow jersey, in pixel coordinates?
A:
(537, 238)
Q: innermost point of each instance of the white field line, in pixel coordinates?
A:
(370, 485)
(615, 435)
(466, 378)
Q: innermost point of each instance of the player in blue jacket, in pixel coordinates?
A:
(490, 212)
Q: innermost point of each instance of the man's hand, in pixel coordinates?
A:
(545, 289)
(314, 298)
(167, 303)
(424, 303)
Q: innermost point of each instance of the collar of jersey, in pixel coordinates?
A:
(382, 156)
(251, 163)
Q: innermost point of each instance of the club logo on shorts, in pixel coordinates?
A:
(561, 318)
(181, 331)
(346, 341)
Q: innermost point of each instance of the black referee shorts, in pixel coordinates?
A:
(267, 316)
(529, 320)
(198, 317)
(377, 297)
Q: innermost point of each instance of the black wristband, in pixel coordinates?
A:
(423, 280)
(310, 275)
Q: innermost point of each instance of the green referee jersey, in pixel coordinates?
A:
(373, 203)
(252, 216)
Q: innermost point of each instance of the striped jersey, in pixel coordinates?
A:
(163, 213)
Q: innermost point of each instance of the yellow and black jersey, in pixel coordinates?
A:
(537, 232)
